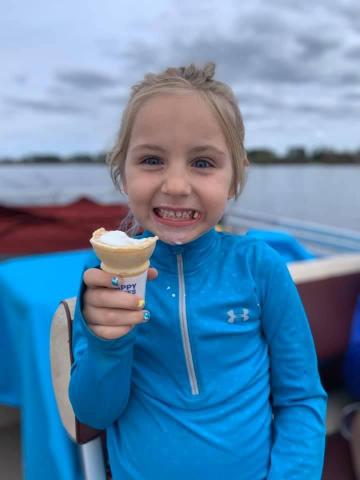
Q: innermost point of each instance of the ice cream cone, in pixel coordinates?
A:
(125, 260)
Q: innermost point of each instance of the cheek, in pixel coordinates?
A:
(129, 181)
(224, 187)
(139, 194)
(217, 202)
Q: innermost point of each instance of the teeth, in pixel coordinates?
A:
(178, 214)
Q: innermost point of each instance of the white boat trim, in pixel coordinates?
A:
(322, 268)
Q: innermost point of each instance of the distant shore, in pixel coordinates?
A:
(258, 156)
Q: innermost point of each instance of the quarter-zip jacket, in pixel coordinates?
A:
(223, 380)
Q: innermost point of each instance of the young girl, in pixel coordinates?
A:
(222, 382)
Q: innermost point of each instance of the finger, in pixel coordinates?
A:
(112, 298)
(112, 317)
(94, 277)
(110, 333)
(152, 273)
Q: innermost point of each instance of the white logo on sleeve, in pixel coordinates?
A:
(243, 316)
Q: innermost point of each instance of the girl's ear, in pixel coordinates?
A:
(123, 187)
(231, 193)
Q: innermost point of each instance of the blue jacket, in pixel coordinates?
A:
(223, 380)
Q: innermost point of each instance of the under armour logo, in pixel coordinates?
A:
(243, 316)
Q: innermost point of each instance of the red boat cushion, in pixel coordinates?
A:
(51, 228)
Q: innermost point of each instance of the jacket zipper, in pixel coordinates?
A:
(184, 329)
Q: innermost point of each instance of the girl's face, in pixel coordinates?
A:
(178, 168)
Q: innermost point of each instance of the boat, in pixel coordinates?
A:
(324, 263)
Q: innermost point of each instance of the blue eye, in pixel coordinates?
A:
(151, 161)
(202, 163)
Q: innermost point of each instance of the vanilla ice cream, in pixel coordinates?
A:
(117, 238)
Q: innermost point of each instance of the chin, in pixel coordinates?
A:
(178, 236)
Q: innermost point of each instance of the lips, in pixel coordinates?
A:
(177, 214)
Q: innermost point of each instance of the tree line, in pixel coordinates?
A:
(294, 155)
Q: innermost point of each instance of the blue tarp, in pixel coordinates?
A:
(289, 248)
(31, 288)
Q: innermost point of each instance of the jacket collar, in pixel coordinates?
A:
(194, 254)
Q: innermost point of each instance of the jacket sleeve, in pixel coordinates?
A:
(101, 373)
(298, 399)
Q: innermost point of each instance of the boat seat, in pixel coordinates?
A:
(61, 358)
(329, 288)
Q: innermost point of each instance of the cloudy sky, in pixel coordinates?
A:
(66, 67)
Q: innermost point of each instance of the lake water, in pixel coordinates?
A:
(326, 195)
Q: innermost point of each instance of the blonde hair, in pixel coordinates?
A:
(217, 95)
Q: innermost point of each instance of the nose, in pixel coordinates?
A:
(176, 182)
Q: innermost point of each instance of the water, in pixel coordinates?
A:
(326, 195)
(38, 184)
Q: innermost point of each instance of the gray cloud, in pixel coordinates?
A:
(340, 110)
(351, 11)
(353, 53)
(231, 56)
(246, 60)
(352, 96)
(117, 101)
(349, 78)
(296, 7)
(250, 116)
(249, 99)
(283, 70)
(86, 80)
(272, 46)
(142, 53)
(268, 58)
(140, 57)
(314, 47)
(45, 106)
(20, 79)
(263, 22)
(287, 61)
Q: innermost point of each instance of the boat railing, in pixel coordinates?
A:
(321, 239)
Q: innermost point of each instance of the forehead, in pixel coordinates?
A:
(171, 115)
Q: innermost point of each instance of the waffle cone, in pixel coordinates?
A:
(127, 260)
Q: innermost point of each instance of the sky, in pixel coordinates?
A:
(67, 68)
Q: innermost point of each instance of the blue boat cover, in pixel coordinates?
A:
(289, 248)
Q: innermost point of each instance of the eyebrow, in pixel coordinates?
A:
(197, 149)
(147, 146)
(203, 148)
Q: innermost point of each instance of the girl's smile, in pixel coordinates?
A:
(178, 168)
(178, 216)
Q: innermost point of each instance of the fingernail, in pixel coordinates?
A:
(141, 303)
(146, 316)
